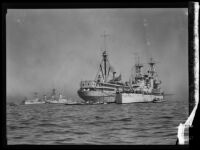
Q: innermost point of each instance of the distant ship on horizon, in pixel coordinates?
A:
(35, 100)
(53, 99)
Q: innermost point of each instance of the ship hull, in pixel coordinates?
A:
(124, 98)
(30, 103)
(60, 101)
(97, 96)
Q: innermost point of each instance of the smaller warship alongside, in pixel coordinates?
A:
(142, 87)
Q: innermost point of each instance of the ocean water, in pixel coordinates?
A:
(118, 124)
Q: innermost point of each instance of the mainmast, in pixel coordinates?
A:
(105, 57)
(105, 68)
(154, 77)
(105, 65)
(138, 67)
(151, 70)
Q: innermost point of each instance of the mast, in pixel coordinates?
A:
(105, 60)
(105, 56)
(104, 67)
(151, 67)
(138, 67)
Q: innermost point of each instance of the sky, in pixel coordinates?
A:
(57, 48)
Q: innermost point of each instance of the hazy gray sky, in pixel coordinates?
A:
(59, 48)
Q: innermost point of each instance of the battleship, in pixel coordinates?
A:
(142, 87)
(103, 88)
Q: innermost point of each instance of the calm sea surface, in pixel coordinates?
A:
(137, 123)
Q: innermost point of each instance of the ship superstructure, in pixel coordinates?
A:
(56, 99)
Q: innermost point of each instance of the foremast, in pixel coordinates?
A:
(138, 69)
(154, 75)
(105, 68)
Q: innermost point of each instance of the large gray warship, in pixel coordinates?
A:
(142, 87)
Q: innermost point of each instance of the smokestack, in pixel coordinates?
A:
(114, 75)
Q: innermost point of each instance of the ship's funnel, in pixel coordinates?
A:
(114, 75)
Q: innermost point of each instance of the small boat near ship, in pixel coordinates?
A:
(142, 87)
(159, 100)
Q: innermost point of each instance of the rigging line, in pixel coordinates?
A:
(100, 69)
(109, 67)
(97, 73)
